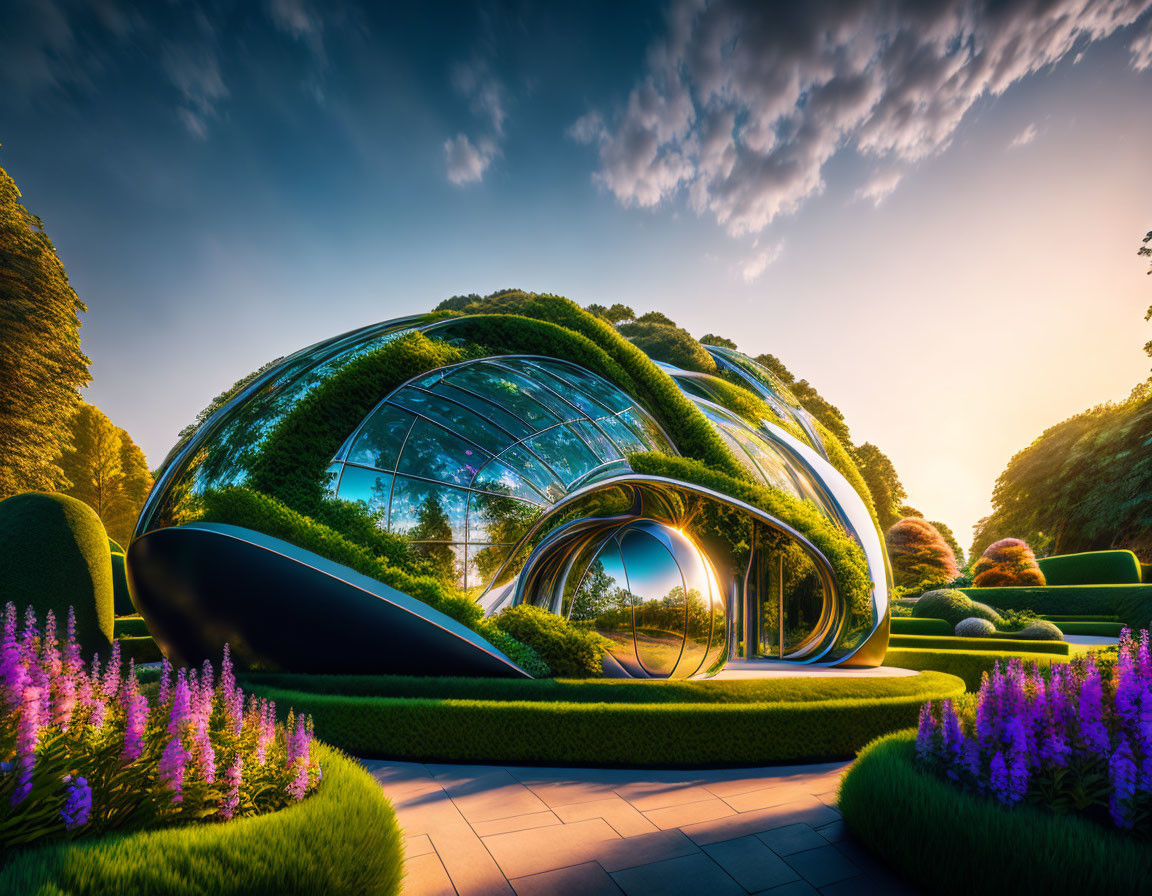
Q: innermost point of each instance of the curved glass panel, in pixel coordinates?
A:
(604, 602)
(657, 589)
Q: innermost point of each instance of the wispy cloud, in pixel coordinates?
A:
(758, 261)
(194, 70)
(1025, 137)
(468, 158)
(744, 102)
(880, 185)
(466, 161)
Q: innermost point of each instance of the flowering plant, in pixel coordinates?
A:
(1076, 738)
(86, 750)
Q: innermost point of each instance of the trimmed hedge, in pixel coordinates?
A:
(844, 554)
(1131, 604)
(911, 625)
(569, 652)
(792, 689)
(1092, 629)
(54, 555)
(131, 627)
(1005, 642)
(977, 846)
(969, 665)
(141, 649)
(343, 839)
(1092, 568)
(121, 597)
(605, 734)
(953, 607)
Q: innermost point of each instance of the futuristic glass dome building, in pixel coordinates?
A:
(506, 473)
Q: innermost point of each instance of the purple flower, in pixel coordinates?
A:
(1122, 776)
(13, 674)
(111, 683)
(1093, 734)
(926, 734)
(232, 778)
(165, 680)
(1001, 786)
(27, 737)
(181, 705)
(205, 754)
(49, 649)
(73, 662)
(298, 786)
(172, 763)
(77, 804)
(135, 717)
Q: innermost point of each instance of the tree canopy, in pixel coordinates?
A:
(106, 470)
(41, 364)
(713, 339)
(880, 476)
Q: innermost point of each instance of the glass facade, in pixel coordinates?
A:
(471, 455)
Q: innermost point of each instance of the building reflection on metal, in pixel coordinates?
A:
(511, 473)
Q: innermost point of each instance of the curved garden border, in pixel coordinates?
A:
(948, 841)
(756, 731)
(342, 840)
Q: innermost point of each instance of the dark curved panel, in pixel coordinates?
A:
(283, 608)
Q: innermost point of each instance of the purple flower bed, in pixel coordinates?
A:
(1073, 738)
(84, 751)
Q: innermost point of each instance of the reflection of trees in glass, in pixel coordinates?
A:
(433, 526)
(506, 521)
(598, 594)
(667, 613)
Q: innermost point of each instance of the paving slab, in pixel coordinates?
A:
(689, 813)
(823, 866)
(425, 876)
(808, 810)
(523, 853)
(588, 879)
(618, 812)
(686, 876)
(751, 864)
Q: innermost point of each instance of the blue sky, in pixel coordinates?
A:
(930, 214)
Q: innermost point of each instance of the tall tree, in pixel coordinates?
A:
(946, 534)
(920, 556)
(880, 476)
(41, 364)
(713, 339)
(106, 470)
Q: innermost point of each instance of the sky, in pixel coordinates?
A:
(930, 211)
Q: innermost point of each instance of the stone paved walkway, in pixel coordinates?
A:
(474, 830)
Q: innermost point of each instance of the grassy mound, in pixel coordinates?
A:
(910, 625)
(968, 844)
(1092, 568)
(342, 840)
(997, 642)
(966, 664)
(54, 555)
(587, 731)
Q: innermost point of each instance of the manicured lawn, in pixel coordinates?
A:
(1003, 641)
(948, 841)
(342, 840)
(753, 722)
(967, 664)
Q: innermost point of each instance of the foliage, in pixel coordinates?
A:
(296, 454)
(354, 848)
(54, 555)
(1095, 629)
(1131, 604)
(608, 690)
(970, 665)
(1040, 630)
(668, 343)
(524, 656)
(712, 339)
(883, 484)
(88, 753)
(953, 606)
(1085, 484)
(569, 651)
(1073, 740)
(242, 506)
(1092, 568)
(950, 540)
(997, 641)
(107, 471)
(609, 734)
(975, 627)
(910, 626)
(920, 557)
(224, 397)
(41, 364)
(1008, 562)
(613, 315)
(978, 846)
(844, 554)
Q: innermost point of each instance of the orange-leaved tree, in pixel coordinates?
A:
(920, 556)
(1006, 563)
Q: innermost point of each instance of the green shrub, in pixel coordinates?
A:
(54, 555)
(1092, 568)
(1092, 629)
(244, 507)
(121, 597)
(975, 627)
(966, 664)
(953, 606)
(569, 651)
(130, 627)
(142, 649)
(521, 654)
(670, 344)
(1011, 641)
(605, 734)
(1039, 631)
(343, 839)
(977, 845)
(844, 554)
(912, 626)
(927, 685)
(1131, 604)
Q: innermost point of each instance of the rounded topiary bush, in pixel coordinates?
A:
(54, 555)
(1007, 563)
(920, 556)
(1040, 630)
(975, 627)
(569, 651)
(953, 606)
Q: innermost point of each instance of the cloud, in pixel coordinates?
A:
(743, 102)
(297, 19)
(468, 158)
(194, 71)
(757, 263)
(467, 161)
(1025, 137)
(1140, 50)
(880, 185)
